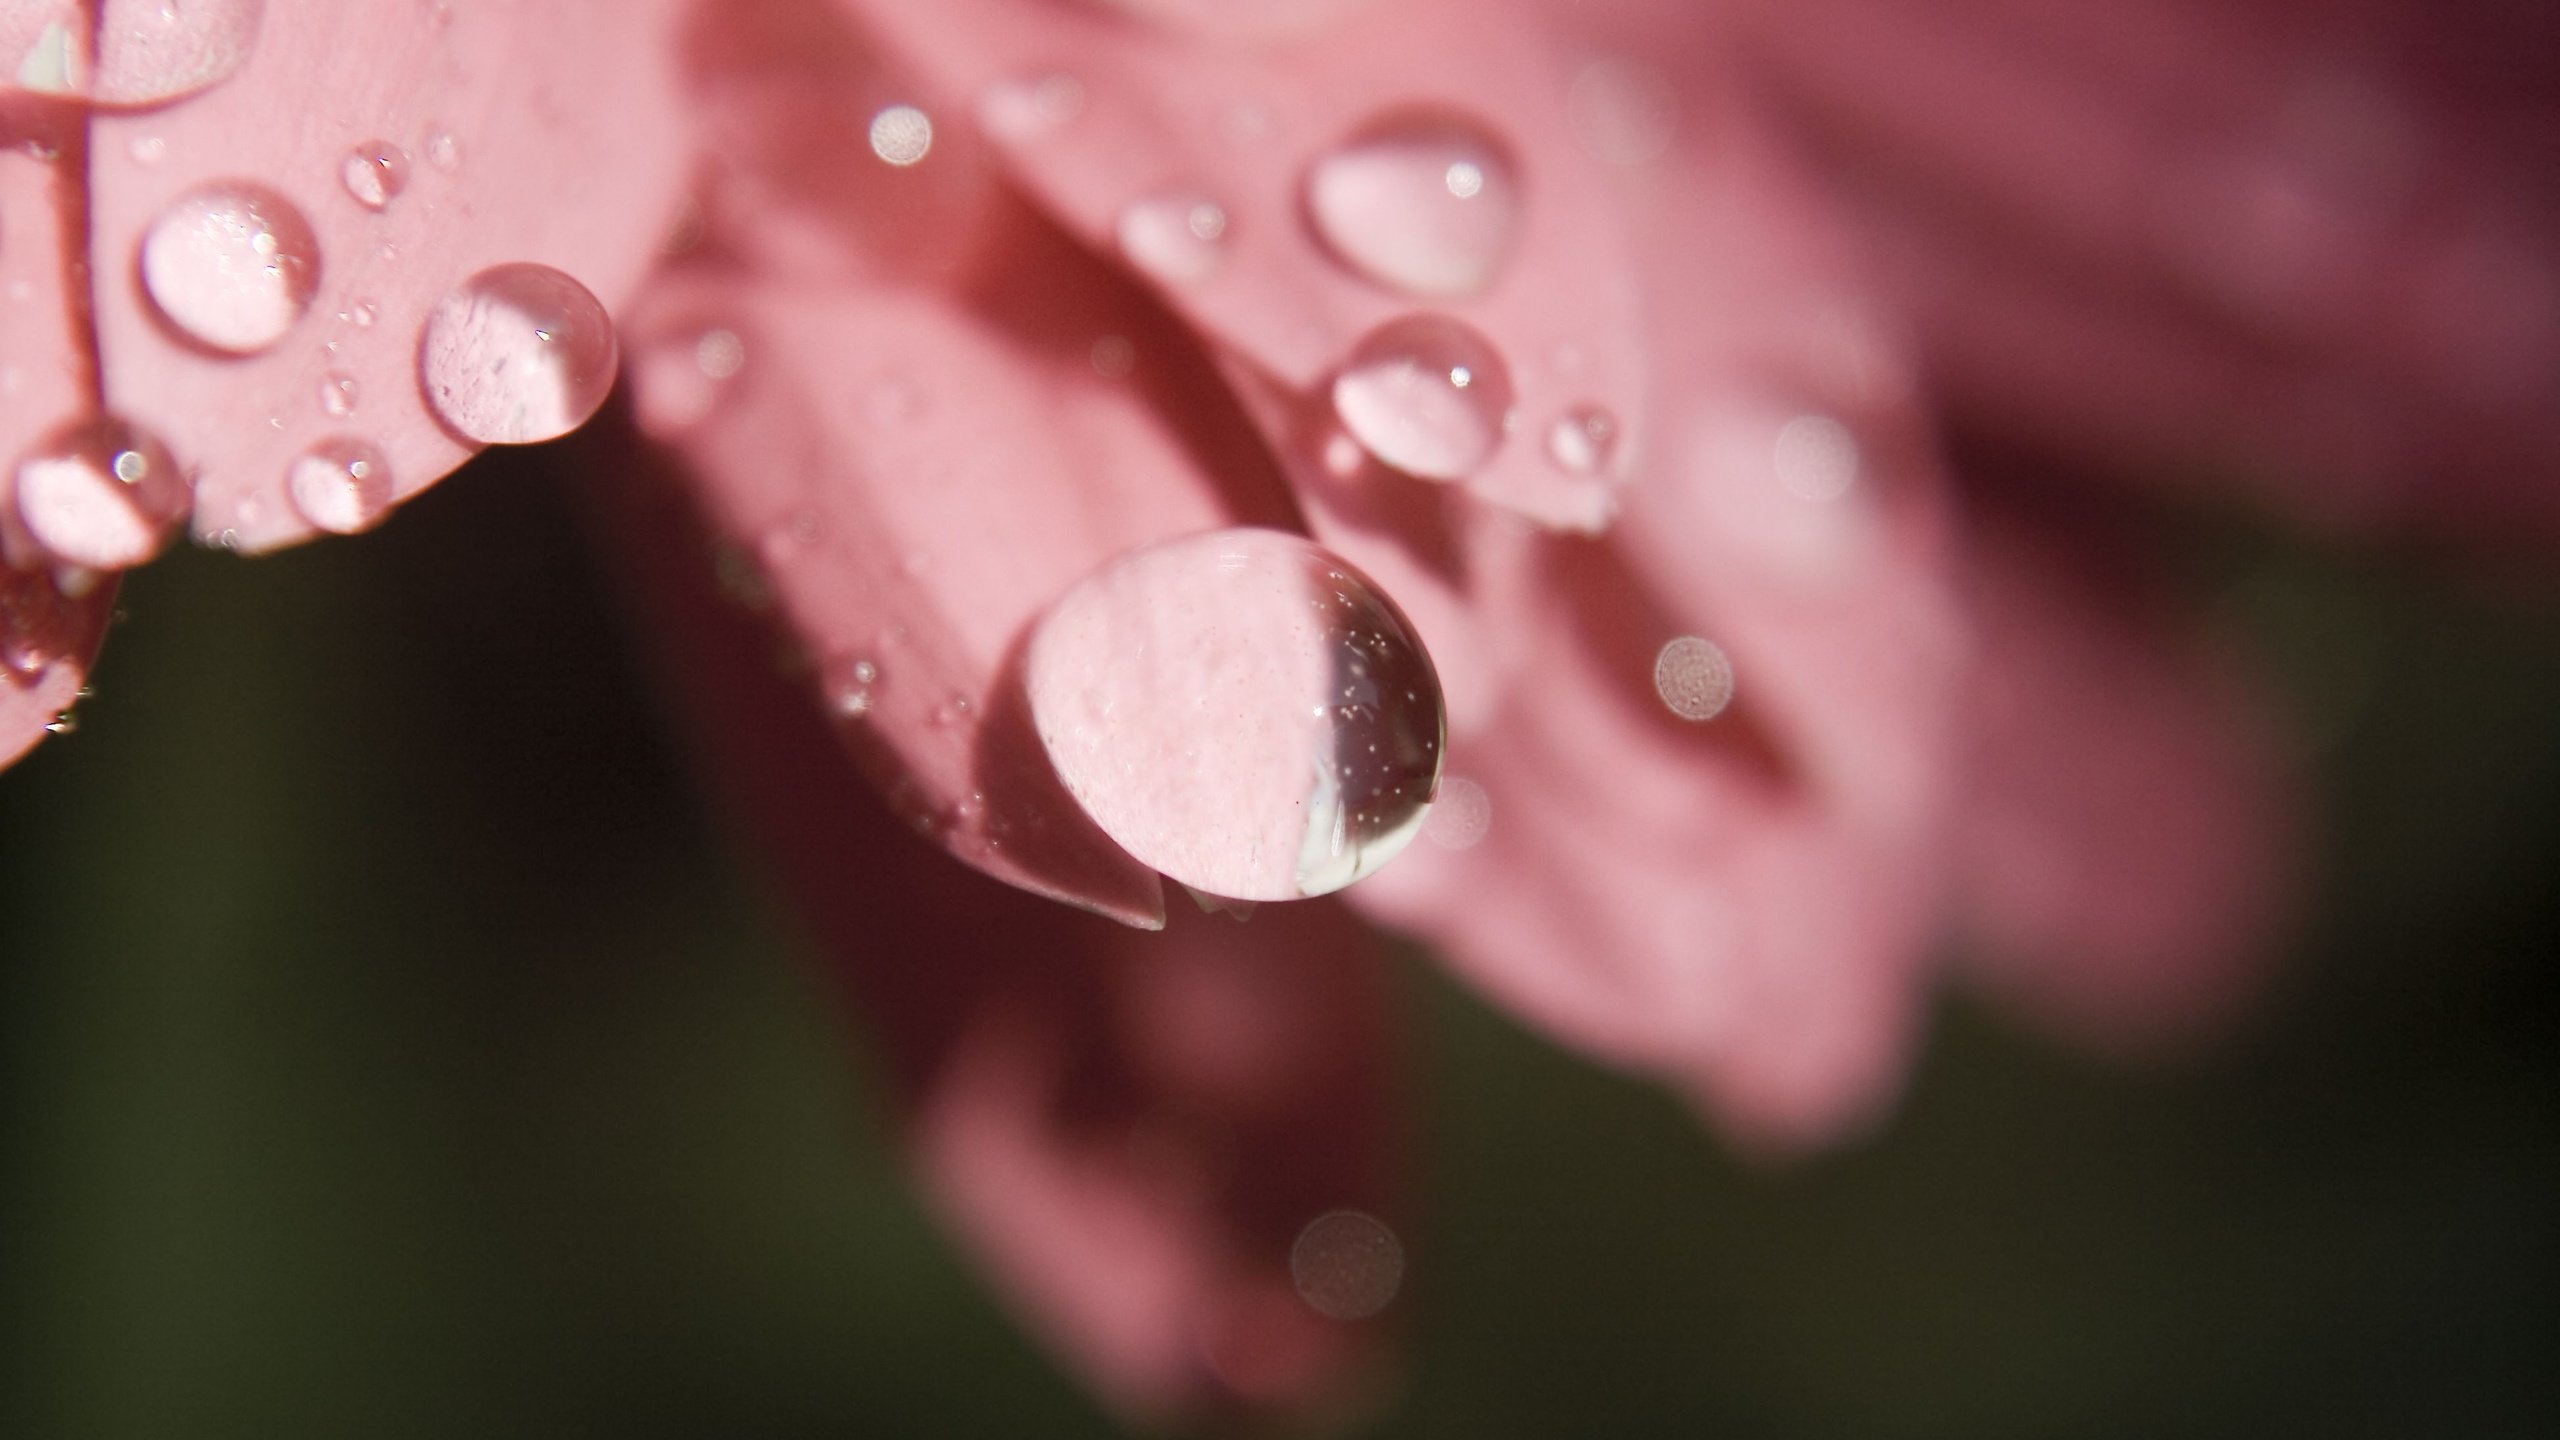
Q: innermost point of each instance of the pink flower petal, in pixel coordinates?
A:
(1129, 1129)
(1109, 122)
(546, 134)
(2122, 854)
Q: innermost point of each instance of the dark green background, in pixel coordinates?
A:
(389, 1046)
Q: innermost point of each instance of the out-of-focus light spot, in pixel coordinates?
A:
(1623, 112)
(1694, 678)
(719, 353)
(901, 135)
(1464, 179)
(1816, 457)
(1460, 814)
(1112, 356)
(1347, 1265)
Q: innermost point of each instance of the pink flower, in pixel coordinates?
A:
(1715, 387)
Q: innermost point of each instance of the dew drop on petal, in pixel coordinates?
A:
(444, 150)
(101, 494)
(1582, 440)
(1179, 239)
(338, 393)
(1424, 203)
(1241, 710)
(375, 173)
(901, 135)
(1694, 678)
(1816, 457)
(147, 149)
(154, 50)
(1347, 1265)
(517, 353)
(232, 265)
(1427, 395)
(342, 484)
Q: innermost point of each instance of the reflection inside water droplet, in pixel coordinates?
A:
(231, 265)
(1241, 710)
(517, 353)
(1426, 395)
(101, 494)
(1420, 202)
(342, 484)
(375, 173)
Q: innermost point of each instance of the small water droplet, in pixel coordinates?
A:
(341, 484)
(375, 173)
(232, 265)
(901, 135)
(1421, 202)
(1582, 440)
(1426, 395)
(1241, 710)
(1178, 238)
(1347, 1265)
(1020, 110)
(517, 353)
(338, 393)
(62, 723)
(1816, 457)
(444, 150)
(1694, 678)
(358, 314)
(147, 149)
(101, 494)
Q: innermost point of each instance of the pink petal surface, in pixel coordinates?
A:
(1156, 116)
(2123, 856)
(2311, 247)
(1129, 1129)
(546, 134)
(47, 638)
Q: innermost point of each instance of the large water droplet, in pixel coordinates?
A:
(375, 173)
(517, 353)
(1423, 202)
(1241, 710)
(232, 265)
(1427, 395)
(155, 50)
(101, 494)
(1180, 238)
(341, 484)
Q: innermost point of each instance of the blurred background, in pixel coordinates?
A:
(390, 1044)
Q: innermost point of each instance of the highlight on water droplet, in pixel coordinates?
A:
(517, 353)
(1427, 395)
(375, 173)
(1241, 710)
(1179, 238)
(149, 51)
(342, 484)
(231, 266)
(1583, 440)
(1694, 678)
(1816, 457)
(1425, 202)
(1347, 1265)
(101, 494)
(901, 135)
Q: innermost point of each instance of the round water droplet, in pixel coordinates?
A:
(1422, 202)
(1346, 1265)
(375, 173)
(901, 135)
(341, 484)
(517, 353)
(1694, 678)
(1241, 710)
(101, 494)
(444, 150)
(1180, 239)
(1582, 440)
(153, 50)
(147, 149)
(338, 393)
(232, 265)
(1427, 395)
